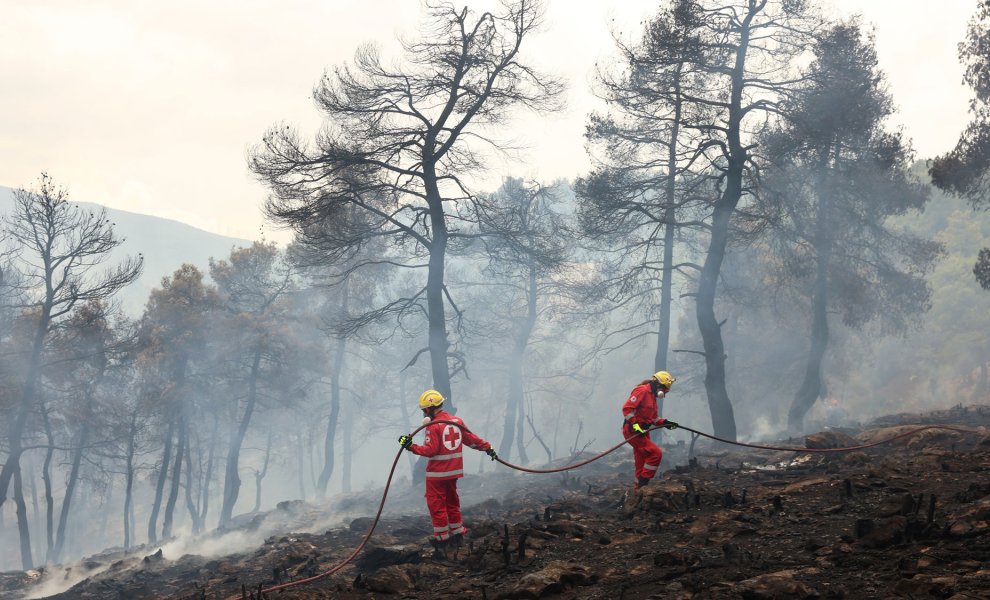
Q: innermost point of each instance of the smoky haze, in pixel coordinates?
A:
(836, 286)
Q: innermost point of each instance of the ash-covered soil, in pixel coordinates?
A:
(909, 519)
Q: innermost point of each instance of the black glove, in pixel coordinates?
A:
(491, 452)
(669, 424)
(639, 429)
(405, 441)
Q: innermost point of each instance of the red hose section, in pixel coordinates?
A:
(843, 449)
(573, 465)
(388, 483)
(356, 551)
(367, 536)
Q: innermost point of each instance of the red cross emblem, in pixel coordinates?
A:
(451, 437)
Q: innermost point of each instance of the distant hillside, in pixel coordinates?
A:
(165, 244)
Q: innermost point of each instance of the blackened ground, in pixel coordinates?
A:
(905, 520)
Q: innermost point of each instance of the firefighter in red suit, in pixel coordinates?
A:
(641, 413)
(442, 447)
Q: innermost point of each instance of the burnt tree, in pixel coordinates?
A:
(525, 238)
(646, 192)
(61, 248)
(835, 178)
(173, 335)
(397, 144)
(251, 285)
(746, 51)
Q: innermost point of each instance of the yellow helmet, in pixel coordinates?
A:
(430, 398)
(664, 378)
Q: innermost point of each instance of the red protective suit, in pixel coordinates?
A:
(641, 408)
(442, 447)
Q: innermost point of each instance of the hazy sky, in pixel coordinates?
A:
(151, 106)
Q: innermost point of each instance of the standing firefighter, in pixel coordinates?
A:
(442, 447)
(640, 412)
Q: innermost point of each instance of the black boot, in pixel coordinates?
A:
(439, 548)
(642, 481)
(455, 542)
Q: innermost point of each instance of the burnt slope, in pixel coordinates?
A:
(909, 519)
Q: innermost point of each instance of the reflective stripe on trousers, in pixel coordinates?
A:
(444, 505)
(646, 455)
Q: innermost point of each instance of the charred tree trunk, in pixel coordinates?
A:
(70, 487)
(723, 418)
(260, 475)
(197, 524)
(173, 495)
(331, 436)
(104, 539)
(521, 417)
(669, 226)
(348, 449)
(301, 463)
(39, 521)
(74, 540)
(310, 451)
(46, 478)
(512, 407)
(23, 529)
(129, 481)
(208, 477)
(160, 484)
(666, 283)
(516, 374)
(811, 385)
(133, 519)
(435, 287)
(77, 456)
(232, 479)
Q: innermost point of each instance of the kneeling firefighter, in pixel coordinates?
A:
(641, 413)
(442, 447)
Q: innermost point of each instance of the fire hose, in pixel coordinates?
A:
(395, 462)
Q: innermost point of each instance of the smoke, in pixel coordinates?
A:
(214, 545)
(760, 429)
(226, 543)
(297, 517)
(58, 579)
(289, 517)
